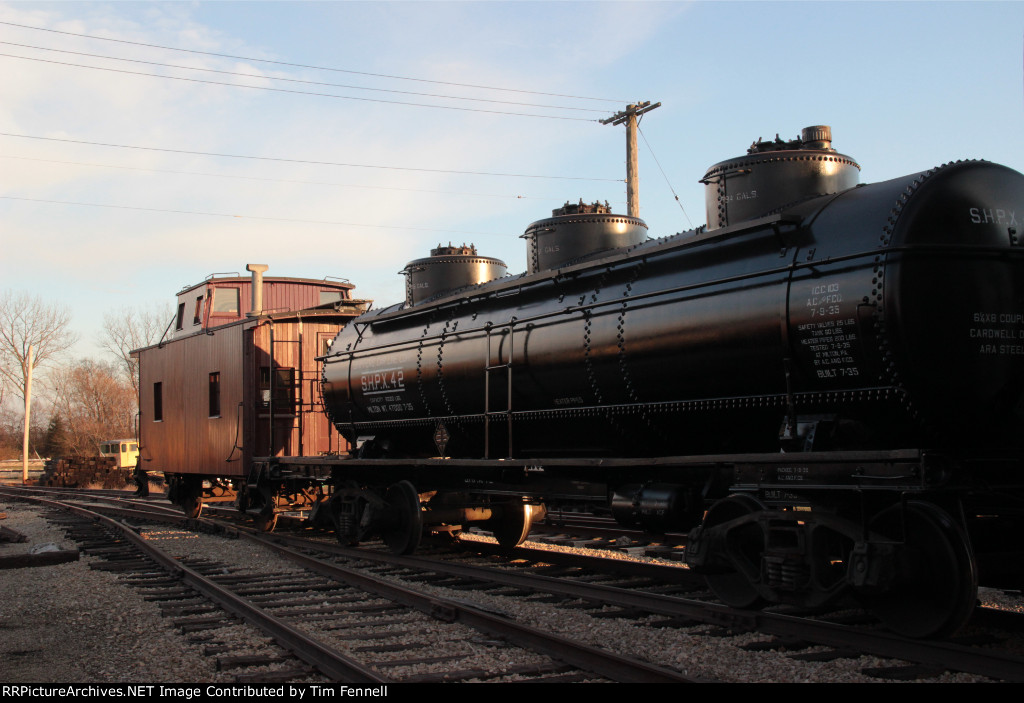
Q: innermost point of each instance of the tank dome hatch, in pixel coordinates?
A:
(774, 174)
(579, 229)
(447, 268)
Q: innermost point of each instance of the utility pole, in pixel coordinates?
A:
(28, 406)
(628, 117)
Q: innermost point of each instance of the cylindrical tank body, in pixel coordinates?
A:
(776, 174)
(896, 308)
(446, 269)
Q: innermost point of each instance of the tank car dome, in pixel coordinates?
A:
(448, 268)
(577, 230)
(774, 174)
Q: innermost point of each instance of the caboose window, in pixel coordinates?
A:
(215, 394)
(199, 311)
(330, 296)
(225, 300)
(158, 402)
(181, 317)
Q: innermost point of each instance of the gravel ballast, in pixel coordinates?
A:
(72, 624)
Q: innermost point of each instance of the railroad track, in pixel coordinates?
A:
(650, 593)
(658, 598)
(327, 599)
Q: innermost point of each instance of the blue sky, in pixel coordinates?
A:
(905, 86)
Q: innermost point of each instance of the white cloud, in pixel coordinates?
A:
(718, 98)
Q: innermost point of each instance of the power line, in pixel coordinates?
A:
(665, 176)
(277, 180)
(300, 92)
(246, 217)
(318, 68)
(310, 162)
(279, 78)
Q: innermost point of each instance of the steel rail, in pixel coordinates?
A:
(663, 574)
(113, 504)
(327, 660)
(942, 654)
(602, 662)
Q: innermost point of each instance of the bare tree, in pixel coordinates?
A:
(95, 404)
(28, 321)
(32, 333)
(133, 328)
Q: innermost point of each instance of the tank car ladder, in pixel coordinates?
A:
(488, 370)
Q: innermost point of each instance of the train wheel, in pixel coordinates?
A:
(192, 501)
(264, 521)
(406, 529)
(745, 545)
(513, 526)
(187, 493)
(242, 501)
(192, 505)
(340, 514)
(937, 587)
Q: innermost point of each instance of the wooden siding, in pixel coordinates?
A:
(189, 441)
(301, 429)
(286, 295)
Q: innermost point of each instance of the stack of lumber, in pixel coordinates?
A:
(83, 471)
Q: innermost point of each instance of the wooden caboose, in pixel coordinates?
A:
(237, 378)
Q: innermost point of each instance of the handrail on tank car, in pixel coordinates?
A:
(654, 407)
(588, 307)
(568, 271)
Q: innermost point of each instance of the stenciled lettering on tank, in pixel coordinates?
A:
(993, 216)
(824, 300)
(747, 195)
(997, 333)
(383, 386)
(829, 339)
(383, 381)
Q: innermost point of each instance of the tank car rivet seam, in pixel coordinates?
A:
(440, 364)
(419, 372)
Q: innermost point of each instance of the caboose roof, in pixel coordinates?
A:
(214, 278)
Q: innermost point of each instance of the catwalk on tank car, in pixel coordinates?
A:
(824, 385)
